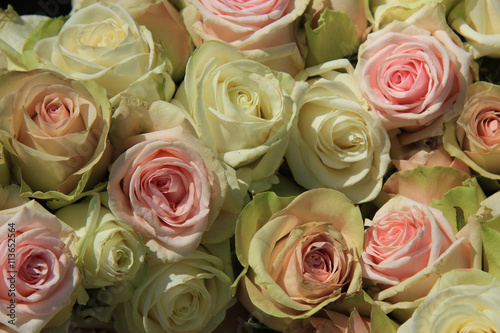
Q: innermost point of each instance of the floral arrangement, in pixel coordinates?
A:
(258, 166)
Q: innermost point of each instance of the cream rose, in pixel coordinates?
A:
(407, 245)
(265, 27)
(461, 301)
(38, 276)
(103, 43)
(336, 142)
(190, 295)
(240, 108)
(386, 11)
(171, 188)
(166, 26)
(54, 133)
(299, 254)
(478, 22)
(411, 76)
(109, 251)
(475, 136)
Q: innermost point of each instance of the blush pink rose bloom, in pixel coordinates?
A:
(265, 26)
(412, 76)
(407, 245)
(299, 254)
(171, 188)
(54, 131)
(475, 136)
(42, 287)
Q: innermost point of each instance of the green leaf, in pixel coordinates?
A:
(467, 198)
(490, 233)
(334, 37)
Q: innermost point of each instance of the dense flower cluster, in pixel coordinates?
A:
(264, 165)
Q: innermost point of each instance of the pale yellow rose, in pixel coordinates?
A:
(387, 11)
(240, 109)
(109, 250)
(165, 24)
(103, 43)
(187, 296)
(336, 142)
(478, 21)
(460, 301)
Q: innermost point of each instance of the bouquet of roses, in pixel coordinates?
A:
(259, 166)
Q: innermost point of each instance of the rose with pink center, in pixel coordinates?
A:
(407, 240)
(475, 136)
(410, 76)
(299, 254)
(170, 187)
(55, 133)
(253, 26)
(319, 266)
(43, 276)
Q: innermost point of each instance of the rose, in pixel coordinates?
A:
(103, 43)
(411, 76)
(333, 322)
(460, 301)
(334, 29)
(266, 26)
(336, 142)
(190, 295)
(386, 11)
(171, 188)
(407, 244)
(240, 109)
(474, 137)
(159, 17)
(108, 249)
(298, 253)
(469, 19)
(54, 133)
(38, 275)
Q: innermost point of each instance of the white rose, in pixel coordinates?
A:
(479, 22)
(240, 108)
(103, 43)
(461, 301)
(336, 142)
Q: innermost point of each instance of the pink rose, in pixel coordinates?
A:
(407, 245)
(38, 274)
(54, 132)
(170, 187)
(299, 254)
(268, 25)
(475, 136)
(412, 76)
